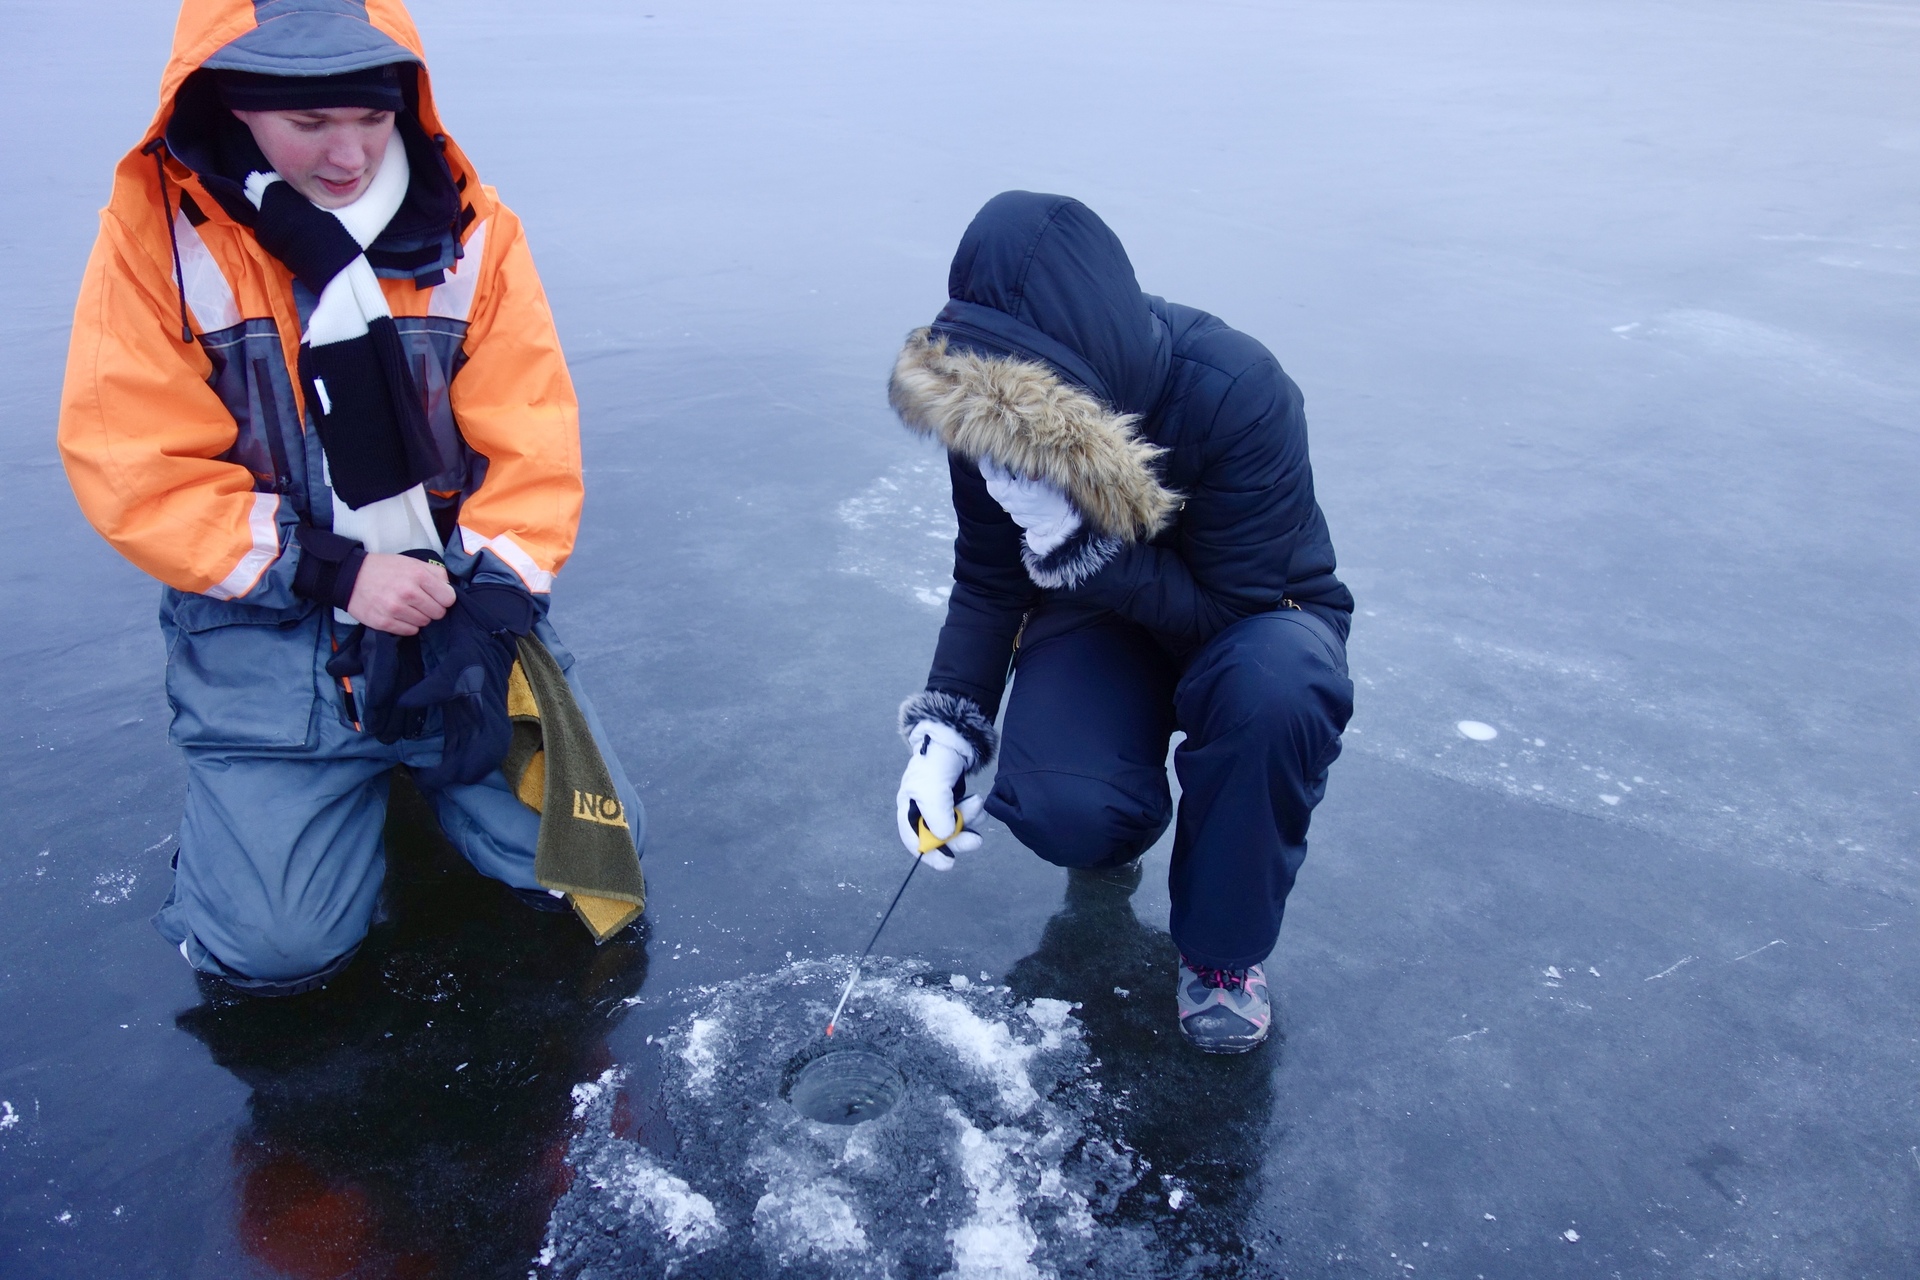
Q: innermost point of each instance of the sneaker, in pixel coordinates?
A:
(1223, 1010)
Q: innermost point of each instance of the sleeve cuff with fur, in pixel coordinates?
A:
(1071, 563)
(961, 714)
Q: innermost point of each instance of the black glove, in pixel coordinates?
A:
(381, 667)
(479, 639)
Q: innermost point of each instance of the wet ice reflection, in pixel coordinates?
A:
(410, 1119)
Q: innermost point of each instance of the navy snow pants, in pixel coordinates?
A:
(282, 852)
(1083, 781)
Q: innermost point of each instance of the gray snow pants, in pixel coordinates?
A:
(282, 853)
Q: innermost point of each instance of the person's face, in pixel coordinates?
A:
(328, 154)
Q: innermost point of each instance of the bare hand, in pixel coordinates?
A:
(399, 594)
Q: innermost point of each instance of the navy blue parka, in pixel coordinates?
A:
(1041, 285)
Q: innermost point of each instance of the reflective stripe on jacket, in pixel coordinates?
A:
(196, 459)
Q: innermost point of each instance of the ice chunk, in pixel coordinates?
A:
(1049, 1015)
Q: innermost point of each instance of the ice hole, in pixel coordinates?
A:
(845, 1087)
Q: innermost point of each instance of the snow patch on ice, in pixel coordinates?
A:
(643, 1188)
(997, 1242)
(996, 1162)
(803, 1216)
(988, 1047)
(701, 1051)
(630, 1183)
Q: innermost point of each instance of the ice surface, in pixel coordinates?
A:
(1605, 313)
(900, 530)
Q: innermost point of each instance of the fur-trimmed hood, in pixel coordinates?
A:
(1030, 421)
(1046, 359)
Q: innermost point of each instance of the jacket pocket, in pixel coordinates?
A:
(239, 675)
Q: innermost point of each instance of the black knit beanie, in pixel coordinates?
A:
(375, 88)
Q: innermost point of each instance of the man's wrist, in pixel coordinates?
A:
(329, 566)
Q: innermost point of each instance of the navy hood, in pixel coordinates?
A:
(1041, 277)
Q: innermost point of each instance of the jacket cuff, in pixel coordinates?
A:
(1073, 561)
(329, 566)
(958, 713)
(504, 610)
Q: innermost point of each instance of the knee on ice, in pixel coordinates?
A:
(1074, 821)
(283, 961)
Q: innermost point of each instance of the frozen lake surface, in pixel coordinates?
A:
(1605, 960)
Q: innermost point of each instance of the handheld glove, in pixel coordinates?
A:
(380, 667)
(1045, 515)
(931, 791)
(479, 638)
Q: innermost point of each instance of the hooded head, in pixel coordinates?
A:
(269, 55)
(1044, 360)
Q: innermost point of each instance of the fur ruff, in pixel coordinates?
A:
(1024, 417)
(1072, 562)
(958, 713)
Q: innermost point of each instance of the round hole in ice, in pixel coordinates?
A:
(1477, 731)
(845, 1087)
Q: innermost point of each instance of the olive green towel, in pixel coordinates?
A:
(585, 848)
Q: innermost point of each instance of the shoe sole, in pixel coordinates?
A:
(1223, 1048)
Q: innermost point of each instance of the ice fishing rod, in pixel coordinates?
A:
(928, 843)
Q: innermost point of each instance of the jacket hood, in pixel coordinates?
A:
(1042, 278)
(285, 38)
(1045, 358)
(311, 38)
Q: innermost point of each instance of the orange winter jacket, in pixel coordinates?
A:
(195, 456)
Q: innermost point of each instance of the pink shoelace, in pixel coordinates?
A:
(1218, 979)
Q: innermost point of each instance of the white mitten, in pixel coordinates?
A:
(940, 759)
(1043, 513)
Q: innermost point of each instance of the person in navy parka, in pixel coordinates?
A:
(1138, 540)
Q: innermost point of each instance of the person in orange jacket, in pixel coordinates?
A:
(315, 389)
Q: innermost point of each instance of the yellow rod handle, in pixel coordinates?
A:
(929, 841)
